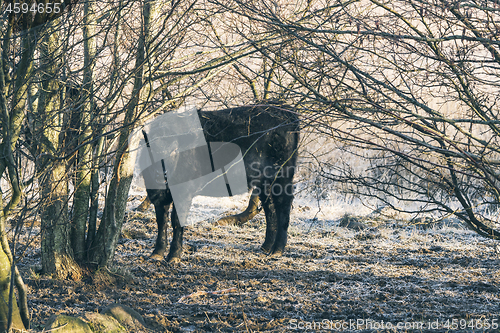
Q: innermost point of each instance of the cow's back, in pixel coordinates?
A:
(267, 135)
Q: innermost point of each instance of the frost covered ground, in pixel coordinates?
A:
(424, 278)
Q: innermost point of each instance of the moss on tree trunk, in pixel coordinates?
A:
(5, 272)
(57, 253)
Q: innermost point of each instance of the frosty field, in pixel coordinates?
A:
(330, 277)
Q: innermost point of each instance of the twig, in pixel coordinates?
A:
(201, 292)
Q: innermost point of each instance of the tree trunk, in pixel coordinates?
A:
(98, 157)
(84, 169)
(104, 246)
(57, 254)
(94, 195)
(10, 314)
(5, 273)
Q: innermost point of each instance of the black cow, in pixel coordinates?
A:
(268, 136)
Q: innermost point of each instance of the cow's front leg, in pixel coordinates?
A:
(271, 222)
(174, 255)
(161, 211)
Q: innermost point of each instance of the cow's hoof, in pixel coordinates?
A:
(266, 248)
(174, 256)
(156, 256)
(276, 251)
(173, 260)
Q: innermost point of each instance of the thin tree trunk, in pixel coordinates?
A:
(84, 170)
(10, 315)
(108, 234)
(98, 158)
(94, 194)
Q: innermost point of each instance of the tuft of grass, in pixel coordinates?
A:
(34, 274)
(352, 222)
(133, 231)
(105, 277)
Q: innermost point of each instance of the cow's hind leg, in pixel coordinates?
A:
(271, 221)
(175, 252)
(161, 210)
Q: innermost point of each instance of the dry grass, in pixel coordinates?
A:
(388, 271)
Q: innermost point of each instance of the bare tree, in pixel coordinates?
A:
(86, 121)
(100, 79)
(19, 37)
(413, 83)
